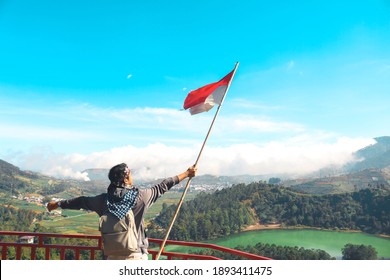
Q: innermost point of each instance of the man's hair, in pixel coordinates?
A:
(118, 173)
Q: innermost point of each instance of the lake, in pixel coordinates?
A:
(329, 241)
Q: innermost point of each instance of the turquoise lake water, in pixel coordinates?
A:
(330, 241)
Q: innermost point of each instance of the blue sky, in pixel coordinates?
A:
(90, 84)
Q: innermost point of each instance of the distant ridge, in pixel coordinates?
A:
(375, 156)
(101, 174)
(12, 178)
(8, 168)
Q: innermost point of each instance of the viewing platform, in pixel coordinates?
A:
(34, 245)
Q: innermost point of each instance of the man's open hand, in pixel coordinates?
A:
(51, 206)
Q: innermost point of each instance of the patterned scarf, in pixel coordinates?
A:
(119, 208)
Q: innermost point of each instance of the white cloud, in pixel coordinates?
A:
(158, 160)
(67, 172)
(290, 156)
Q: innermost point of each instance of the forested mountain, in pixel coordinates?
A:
(10, 177)
(231, 210)
(14, 181)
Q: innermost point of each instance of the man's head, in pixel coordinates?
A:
(120, 174)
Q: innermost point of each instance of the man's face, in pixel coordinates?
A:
(128, 178)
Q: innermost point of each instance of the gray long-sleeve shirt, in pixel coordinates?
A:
(145, 198)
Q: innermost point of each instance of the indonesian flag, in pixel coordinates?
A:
(204, 98)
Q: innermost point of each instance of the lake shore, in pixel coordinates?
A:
(259, 226)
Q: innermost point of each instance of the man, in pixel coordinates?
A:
(122, 197)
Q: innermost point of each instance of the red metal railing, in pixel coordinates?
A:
(43, 242)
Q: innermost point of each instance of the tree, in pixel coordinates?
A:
(274, 181)
(359, 252)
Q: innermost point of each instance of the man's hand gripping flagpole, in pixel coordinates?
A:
(209, 95)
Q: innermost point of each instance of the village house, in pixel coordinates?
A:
(29, 239)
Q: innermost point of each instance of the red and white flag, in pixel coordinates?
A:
(204, 98)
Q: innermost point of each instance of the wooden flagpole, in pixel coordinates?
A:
(195, 165)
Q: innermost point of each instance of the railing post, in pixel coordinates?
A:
(4, 250)
(77, 254)
(18, 252)
(34, 253)
(40, 240)
(47, 253)
(62, 254)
